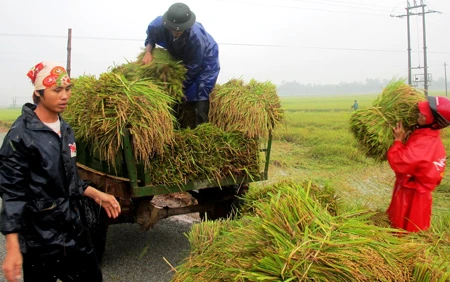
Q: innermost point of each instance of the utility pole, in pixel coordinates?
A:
(69, 50)
(445, 76)
(410, 12)
(409, 43)
(425, 64)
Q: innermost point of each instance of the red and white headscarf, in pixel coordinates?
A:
(47, 74)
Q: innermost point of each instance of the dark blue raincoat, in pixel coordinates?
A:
(198, 51)
(40, 187)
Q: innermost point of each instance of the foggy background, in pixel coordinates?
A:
(336, 45)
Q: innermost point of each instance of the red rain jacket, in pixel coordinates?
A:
(419, 166)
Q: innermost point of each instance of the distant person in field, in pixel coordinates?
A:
(41, 214)
(355, 105)
(188, 41)
(419, 165)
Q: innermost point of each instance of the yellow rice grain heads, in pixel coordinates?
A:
(164, 70)
(100, 109)
(252, 108)
(205, 152)
(289, 235)
(372, 127)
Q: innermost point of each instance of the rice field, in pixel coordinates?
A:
(316, 144)
(276, 238)
(9, 114)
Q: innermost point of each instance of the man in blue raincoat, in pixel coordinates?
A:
(187, 40)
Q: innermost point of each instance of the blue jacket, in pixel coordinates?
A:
(40, 187)
(196, 49)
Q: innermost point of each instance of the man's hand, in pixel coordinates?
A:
(12, 265)
(148, 58)
(399, 132)
(106, 201)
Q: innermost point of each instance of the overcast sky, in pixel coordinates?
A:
(308, 41)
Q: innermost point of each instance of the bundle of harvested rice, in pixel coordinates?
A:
(100, 110)
(432, 272)
(206, 152)
(372, 127)
(164, 70)
(325, 195)
(252, 108)
(291, 237)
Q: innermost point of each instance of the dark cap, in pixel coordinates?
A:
(179, 17)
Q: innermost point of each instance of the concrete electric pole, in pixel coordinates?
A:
(445, 76)
(69, 51)
(411, 10)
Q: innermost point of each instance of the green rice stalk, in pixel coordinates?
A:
(206, 152)
(252, 108)
(373, 127)
(100, 110)
(164, 71)
(289, 236)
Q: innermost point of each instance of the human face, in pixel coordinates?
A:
(176, 34)
(422, 119)
(55, 98)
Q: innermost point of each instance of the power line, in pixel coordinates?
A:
(345, 2)
(65, 37)
(223, 43)
(312, 47)
(220, 43)
(351, 5)
(422, 12)
(311, 9)
(322, 10)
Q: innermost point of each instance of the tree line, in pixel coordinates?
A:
(295, 88)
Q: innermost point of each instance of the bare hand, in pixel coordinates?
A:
(12, 265)
(106, 201)
(399, 132)
(109, 203)
(148, 58)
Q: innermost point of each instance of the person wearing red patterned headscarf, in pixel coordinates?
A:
(419, 165)
(41, 215)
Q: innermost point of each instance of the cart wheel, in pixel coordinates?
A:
(96, 222)
(221, 202)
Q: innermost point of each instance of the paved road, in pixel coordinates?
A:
(133, 255)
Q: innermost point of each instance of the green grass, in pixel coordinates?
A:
(9, 115)
(326, 103)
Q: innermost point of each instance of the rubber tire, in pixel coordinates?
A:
(95, 220)
(221, 209)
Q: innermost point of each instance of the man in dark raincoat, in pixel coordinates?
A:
(187, 40)
(41, 191)
(419, 166)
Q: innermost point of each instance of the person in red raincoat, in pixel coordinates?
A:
(419, 165)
